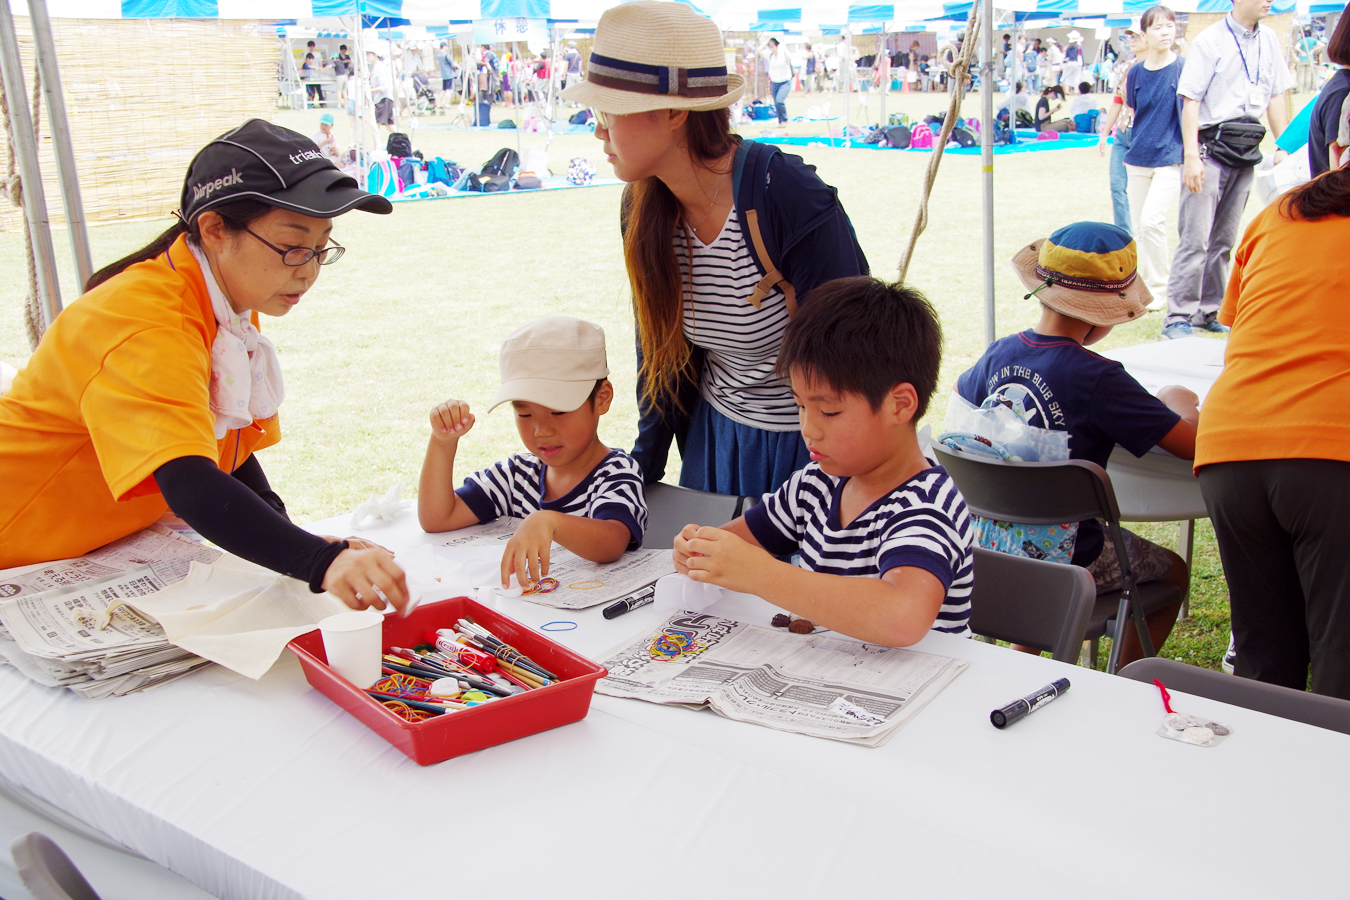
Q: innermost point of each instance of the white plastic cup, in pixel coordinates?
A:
(351, 641)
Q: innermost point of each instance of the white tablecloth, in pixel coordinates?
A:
(267, 790)
(1158, 487)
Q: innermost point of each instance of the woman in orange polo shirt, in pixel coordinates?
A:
(153, 390)
(1273, 445)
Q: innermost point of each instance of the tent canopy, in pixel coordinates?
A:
(400, 11)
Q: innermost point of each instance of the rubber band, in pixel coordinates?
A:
(586, 585)
(673, 644)
(570, 626)
(542, 586)
(406, 712)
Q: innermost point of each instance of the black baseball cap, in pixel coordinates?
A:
(274, 165)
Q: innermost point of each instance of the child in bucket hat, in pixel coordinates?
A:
(1084, 277)
(570, 487)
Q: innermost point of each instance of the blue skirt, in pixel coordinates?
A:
(726, 457)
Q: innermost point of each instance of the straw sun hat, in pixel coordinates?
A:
(1086, 270)
(656, 54)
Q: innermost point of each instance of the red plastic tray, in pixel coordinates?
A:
(465, 730)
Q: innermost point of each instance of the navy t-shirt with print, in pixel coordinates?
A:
(1055, 382)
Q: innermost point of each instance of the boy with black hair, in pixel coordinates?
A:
(863, 359)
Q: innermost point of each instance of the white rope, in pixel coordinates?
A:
(958, 84)
(33, 319)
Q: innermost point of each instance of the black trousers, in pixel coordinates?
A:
(1286, 555)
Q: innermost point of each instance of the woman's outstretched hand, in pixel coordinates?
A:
(363, 578)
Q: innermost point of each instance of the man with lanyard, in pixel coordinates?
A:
(1235, 71)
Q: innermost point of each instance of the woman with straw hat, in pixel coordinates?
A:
(154, 391)
(721, 239)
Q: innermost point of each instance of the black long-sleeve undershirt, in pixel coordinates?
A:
(241, 514)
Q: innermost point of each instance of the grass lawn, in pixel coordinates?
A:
(417, 308)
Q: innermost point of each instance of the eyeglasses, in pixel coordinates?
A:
(299, 256)
(602, 120)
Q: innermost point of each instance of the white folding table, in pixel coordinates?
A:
(1159, 487)
(267, 790)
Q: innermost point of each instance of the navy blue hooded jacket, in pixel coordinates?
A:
(806, 232)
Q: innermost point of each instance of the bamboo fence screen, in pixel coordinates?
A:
(142, 97)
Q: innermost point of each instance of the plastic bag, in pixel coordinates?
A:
(998, 430)
(1188, 729)
(1002, 431)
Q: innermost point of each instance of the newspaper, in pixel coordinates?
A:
(46, 612)
(476, 554)
(158, 543)
(807, 684)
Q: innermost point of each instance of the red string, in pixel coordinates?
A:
(1166, 697)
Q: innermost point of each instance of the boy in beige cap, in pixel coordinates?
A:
(569, 487)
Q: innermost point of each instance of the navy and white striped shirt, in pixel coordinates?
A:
(922, 523)
(515, 487)
(741, 342)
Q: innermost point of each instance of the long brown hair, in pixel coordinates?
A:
(650, 215)
(1326, 195)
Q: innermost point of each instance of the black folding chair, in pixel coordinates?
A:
(1050, 493)
(670, 508)
(1033, 602)
(46, 870)
(1301, 706)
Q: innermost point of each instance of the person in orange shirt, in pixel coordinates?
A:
(153, 391)
(1273, 445)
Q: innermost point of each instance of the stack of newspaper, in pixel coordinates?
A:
(64, 624)
(808, 684)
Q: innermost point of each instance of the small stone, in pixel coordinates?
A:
(781, 621)
(1197, 734)
(801, 626)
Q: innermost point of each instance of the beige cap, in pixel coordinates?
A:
(656, 54)
(554, 362)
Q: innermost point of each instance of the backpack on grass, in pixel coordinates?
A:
(496, 172)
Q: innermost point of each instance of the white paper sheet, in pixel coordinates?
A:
(238, 618)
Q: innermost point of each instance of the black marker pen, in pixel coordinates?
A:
(631, 602)
(1017, 709)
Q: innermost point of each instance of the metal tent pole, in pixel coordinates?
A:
(885, 80)
(65, 152)
(846, 67)
(987, 156)
(25, 146)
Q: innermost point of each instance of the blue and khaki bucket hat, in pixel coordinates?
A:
(1086, 270)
